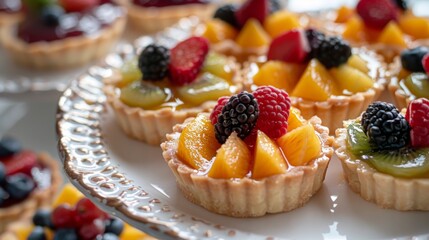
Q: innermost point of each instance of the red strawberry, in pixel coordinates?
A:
(21, 162)
(186, 59)
(218, 109)
(274, 105)
(290, 47)
(257, 9)
(377, 13)
(418, 117)
(78, 5)
(425, 63)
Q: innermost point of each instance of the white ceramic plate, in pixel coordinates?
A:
(131, 180)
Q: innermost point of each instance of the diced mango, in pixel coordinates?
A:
(392, 35)
(279, 74)
(24, 231)
(354, 30)
(316, 83)
(68, 195)
(295, 119)
(280, 22)
(197, 142)
(253, 35)
(344, 13)
(269, 159)
(417, 27)
(350, 79)
(133, 233)
(358, 63)
(217, 30)
(301, 145)
(232, 159)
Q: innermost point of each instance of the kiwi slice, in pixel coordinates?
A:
(357, 141)
(143, 94)
(417, 84)
(406, 162)
(207, 87)
(130, 72)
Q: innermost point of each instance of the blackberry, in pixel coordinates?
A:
(333, 51)
(385, 127)
(315, 38)
(226, 13)
(238, 115)
(51, 15)
(411, 59)
(154, 61)
(402, 4)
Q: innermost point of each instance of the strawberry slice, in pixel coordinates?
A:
(186, 60)
(425, 63)
(257, 9)
(291, 46)
(418, 117)
(21, 162)
(78, 5)
(377, 13)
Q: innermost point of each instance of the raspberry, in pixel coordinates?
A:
(385, 126)
(78, 5)
(377, 13)
(226, 13)
(187, 58)
(274, 105)
(238, 115)
(64, 216)
(153, 62)
(21, 162)
(425, 63)
(218, 109)
(315, 38)
(333, 51)
(418, 117)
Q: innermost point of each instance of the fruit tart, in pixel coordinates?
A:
(253, 155)
(63, 34)
(323, 74)
(385, 156)
(165, 86)
(10, 12)
(246, 30)
(72, 216)
(410, 76)
(387, 26)
(27, 180)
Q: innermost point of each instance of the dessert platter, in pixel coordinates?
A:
(188, 188)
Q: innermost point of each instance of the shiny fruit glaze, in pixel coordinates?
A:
(166, 3)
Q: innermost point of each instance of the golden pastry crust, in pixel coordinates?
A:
(337, 108)
(151, 126)
(9, 18)
(64, 53)
(37, 198)
(383, 189)
(247, 197)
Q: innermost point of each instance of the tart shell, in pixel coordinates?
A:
(248, 197)
(64, 53)
(9, 18)
(37, 198)
(382, 189)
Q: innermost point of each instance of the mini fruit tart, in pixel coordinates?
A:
(324, 75)
(410, 76)
(27, 180)
(64, 34)
(386, 26)
(385, 156)
(251, 156)
(246, 30)
(165, 86)
(10, 12)
(72, 216)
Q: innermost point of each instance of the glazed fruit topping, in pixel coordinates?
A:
(51, 15)
(257, 9)
(153, 62)
(218, 109)
(333, 51)
(377, 13)
(291, 47)
(425, 63)
(21, 162)
(187, 58)
(166, 3)
(78, 5)
(9, 146)
(226, 13)
(315, 38)
(412, 59)
(43, 218)
(274, 105)
(385, 127)
(86, 211)
(239, 115)
(63, 216)
(418, 117)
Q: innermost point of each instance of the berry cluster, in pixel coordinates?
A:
(266, 109)
(83, 221)
(182, 63)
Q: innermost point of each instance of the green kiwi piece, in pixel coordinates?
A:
(357, 141)
(143, 94)
(416, 84)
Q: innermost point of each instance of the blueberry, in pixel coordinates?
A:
(37, 234)
(65, 234)
(2, 173)
(19, 186)
(115, 226)
(411, 59)
(43, 218)
(108, 236)
(51, 15)
(3, 195)
(9, 146)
